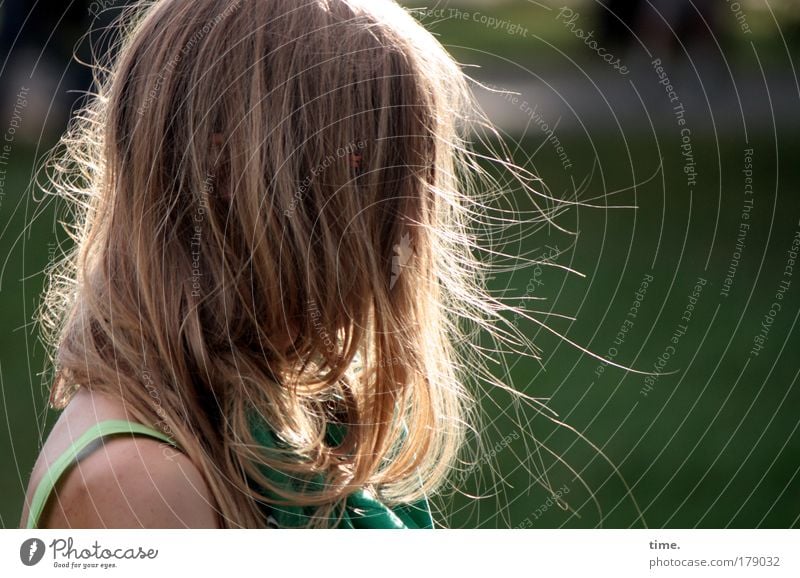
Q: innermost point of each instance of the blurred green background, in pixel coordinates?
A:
(713, 442)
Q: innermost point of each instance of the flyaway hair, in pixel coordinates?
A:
(230, 261)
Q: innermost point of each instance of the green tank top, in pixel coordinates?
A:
(361, 509)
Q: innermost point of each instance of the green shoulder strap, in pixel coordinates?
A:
(65, 460)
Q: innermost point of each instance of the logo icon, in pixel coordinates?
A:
(403, 253)
(31, 552)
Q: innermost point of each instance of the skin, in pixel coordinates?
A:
(132, 482)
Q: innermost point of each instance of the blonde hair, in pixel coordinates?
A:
(228, 258)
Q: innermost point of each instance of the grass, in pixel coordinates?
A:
(711, 445)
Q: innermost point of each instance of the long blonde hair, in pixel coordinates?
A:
(276, 210)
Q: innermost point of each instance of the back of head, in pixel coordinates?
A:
(273, 217)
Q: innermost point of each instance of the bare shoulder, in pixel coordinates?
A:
(127, 482)
(132, 482)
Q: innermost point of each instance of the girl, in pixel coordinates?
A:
(267, 314)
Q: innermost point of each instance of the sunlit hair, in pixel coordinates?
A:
(277, 210)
